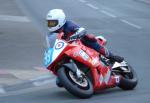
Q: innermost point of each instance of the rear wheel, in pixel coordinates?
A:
(80, 87)
(129, 79)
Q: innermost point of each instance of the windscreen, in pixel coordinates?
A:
(51, 39)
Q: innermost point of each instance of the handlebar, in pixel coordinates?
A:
(74, 38)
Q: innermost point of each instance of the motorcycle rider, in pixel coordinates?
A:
(56, 20)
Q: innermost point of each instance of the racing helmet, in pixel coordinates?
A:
(56, 18)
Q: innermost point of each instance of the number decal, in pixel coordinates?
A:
(48, 56)
(51, 54)
(117, 79)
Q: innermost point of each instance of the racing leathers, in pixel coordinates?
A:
(72, 30)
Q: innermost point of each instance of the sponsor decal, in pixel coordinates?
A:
(105, 78)
(75, 54)
(95, 61)
(83, 55)
(59, 45)
(101, 79)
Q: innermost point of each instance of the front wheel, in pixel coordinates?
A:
(81, 88)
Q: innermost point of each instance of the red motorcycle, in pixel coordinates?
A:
(83, 71)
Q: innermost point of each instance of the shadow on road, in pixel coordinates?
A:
(57, 94)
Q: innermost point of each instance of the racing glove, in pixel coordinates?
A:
(80, 32)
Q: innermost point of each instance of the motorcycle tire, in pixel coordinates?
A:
(58, 83)
(72, 87)
(129, 81)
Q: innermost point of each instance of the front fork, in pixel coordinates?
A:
(73, 67)
(77, 71)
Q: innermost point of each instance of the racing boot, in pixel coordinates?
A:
(116, 58)
(110, 55)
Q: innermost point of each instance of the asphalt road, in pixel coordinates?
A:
(21, 45)
(126, 26)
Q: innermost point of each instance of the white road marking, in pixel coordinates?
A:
(40, 83)
(41, 77)
(145, 1)
(131, 24)
(92, 6)
(108, 13)
(41, 69)
(14, 18)
(2, 91)
(83, 1)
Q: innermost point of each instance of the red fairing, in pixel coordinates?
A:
(105, 78)
(101, 74)
(76, 53)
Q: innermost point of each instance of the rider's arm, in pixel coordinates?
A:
(78, 31)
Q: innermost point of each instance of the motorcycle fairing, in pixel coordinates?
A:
(77, 53)
(51, 54)
(48, 56)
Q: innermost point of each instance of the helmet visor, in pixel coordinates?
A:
(52, 23)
